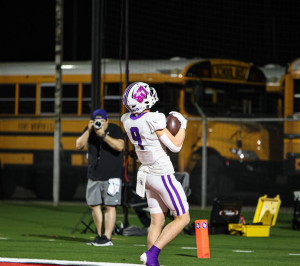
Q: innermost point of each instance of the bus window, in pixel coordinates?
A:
(234, 100)
(86, 98)
(70, 98)
(189, 99)
(297, 96)
(193, 93)
(168, 95)
(112, 97)
(27, 98)
(7, 98)
(47, 98)
(229, 99)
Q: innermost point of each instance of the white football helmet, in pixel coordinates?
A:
(139, 96)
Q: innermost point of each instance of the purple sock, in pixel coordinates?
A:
(154, 250)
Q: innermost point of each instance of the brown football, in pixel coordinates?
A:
(173, 124)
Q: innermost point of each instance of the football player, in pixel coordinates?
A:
(148, 133)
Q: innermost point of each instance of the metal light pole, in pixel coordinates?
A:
(126, 183)
(58, 92)
(204, 157)
(126, 44)
(97, 22)
(75, 29)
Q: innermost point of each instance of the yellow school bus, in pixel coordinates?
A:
(292, 125)
(222, 88)
(275, 76)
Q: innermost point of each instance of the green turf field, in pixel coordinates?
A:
(44, 232)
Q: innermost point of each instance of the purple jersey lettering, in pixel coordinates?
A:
(136, 136)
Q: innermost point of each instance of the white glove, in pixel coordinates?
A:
(181, 118)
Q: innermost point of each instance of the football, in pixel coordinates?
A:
(173, 124)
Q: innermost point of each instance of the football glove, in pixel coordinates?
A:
(181, 119)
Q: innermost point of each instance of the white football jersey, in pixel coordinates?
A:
(149, 149)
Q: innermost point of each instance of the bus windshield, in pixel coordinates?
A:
(168, 95)
(221, 99)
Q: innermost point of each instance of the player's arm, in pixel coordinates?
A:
(81, 142)
(177, 140)
(174, 143)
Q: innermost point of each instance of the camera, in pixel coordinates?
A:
(97, 124)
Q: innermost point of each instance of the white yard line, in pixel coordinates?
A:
(63, 262)
(243, 251)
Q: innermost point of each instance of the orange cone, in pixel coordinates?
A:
(201, 229)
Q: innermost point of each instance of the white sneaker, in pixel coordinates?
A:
(148, 259)
(143, 258)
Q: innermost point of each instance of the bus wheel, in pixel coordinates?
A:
(8, 184)
(218, 183)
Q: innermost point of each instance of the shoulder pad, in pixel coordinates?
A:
(156, 121)
(124, 116)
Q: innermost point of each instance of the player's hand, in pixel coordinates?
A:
(181, 118)
(90, 125)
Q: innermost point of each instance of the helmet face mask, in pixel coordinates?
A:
(138, 97)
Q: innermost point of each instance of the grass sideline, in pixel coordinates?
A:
(37, 231)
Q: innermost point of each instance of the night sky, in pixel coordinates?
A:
(257, 31)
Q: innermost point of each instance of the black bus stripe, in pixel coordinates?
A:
(42, 134)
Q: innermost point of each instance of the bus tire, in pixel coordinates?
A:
(218, 184)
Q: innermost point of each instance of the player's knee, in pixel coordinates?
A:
(158, 220)
(185, 218)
